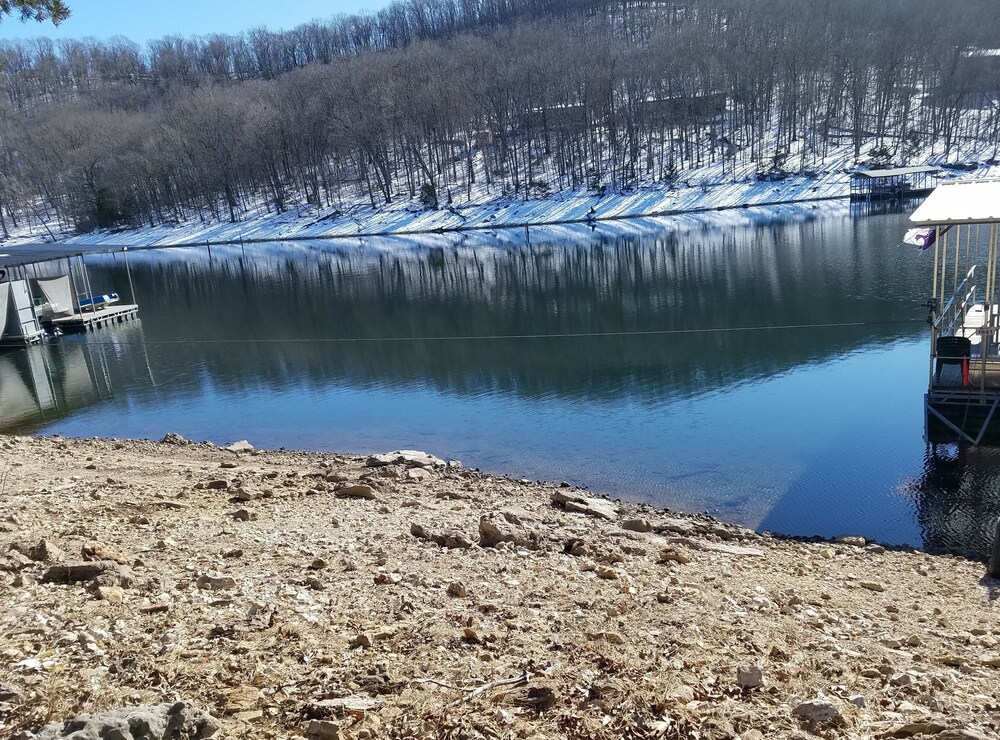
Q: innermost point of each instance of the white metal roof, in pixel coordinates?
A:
(896, 172)
(961, 202)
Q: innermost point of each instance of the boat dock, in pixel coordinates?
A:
(961, 222)
(46, 290)
(896, 183)
(90, 320)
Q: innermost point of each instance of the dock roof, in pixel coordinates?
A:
(30, 254)
(897, 172)
(962, 202)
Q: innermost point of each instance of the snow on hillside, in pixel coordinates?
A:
(705, 189)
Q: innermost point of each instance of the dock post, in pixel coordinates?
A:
(86, 282)
(994, 571)
(131, 288)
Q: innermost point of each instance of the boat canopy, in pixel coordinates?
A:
(963, 202)
(896, 172)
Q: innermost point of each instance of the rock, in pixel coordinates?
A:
(214, 582)
(848, 539)
(417, 474)
(163, 722)
(452, 539)
(243, 515)
(872, 585)
(637, 525)
(410, 458)
(217, 485)
(923, 727)
(576, 547)
(457, 541)
(857, 700)
(346, 706)
(902, 679)
(675, 555)
(321, 729)
(241, 699)
(44, 551)
(363, 640)
(421, 533)
(749, 676)
(228, 465)
(671, 524)
(241, 446)
(241, 494)
(111, 594)
(537, 697)
(682, 695)
(358, 491)
(171, 438)
(457, 588)
(170, 504)
(110, 573)
(584, 504)
(608, 574)
(15, 561)
(94, 550)
(817, 711)
(500, 527)
(21, 580)
(8, 695)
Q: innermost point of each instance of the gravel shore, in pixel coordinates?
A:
(287, 594)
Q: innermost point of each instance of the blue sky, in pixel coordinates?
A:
(149, 19)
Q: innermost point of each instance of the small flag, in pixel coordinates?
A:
(921, 238)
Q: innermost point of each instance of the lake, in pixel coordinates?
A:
(633, 359)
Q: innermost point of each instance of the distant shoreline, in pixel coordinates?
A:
(397, 220)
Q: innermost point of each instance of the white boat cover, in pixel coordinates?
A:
(963, 202)
(4, 301)
(58, 293)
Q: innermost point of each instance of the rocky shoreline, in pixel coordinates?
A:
(201, 591)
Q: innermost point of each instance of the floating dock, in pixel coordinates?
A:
(90, 320)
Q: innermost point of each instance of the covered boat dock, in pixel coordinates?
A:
(899, 182)
(46, 288)
(961, 222)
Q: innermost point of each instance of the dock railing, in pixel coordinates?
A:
(952, 316)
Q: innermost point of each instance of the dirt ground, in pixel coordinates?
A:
(317, 595)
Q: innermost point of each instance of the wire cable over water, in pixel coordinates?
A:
(555, 335)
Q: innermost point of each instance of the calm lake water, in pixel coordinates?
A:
(548, 360)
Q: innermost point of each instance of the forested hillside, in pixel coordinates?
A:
(431, 99)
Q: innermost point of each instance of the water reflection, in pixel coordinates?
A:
(582, 356)
(957, 497)
(44, 383)
(814, 273)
